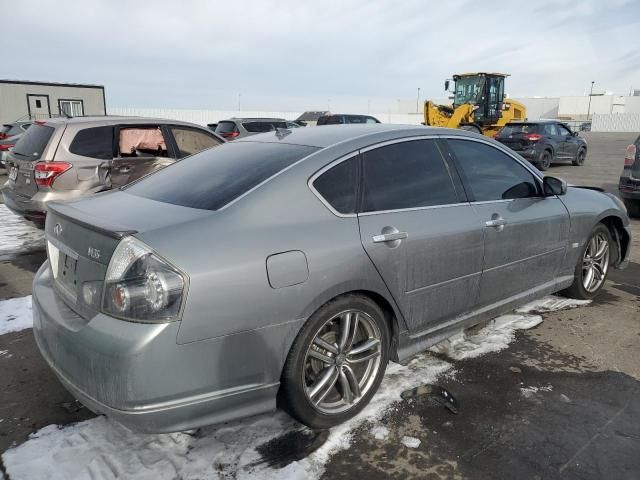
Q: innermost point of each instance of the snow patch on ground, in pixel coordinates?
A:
(551, 303)
(528, 392)
(379, 432)
(410, 442)
(15, 314)
(5, 354)
(16, 234)
(102, 449)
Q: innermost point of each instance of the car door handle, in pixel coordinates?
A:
(124, 169)
(390, 237)
(496, 222)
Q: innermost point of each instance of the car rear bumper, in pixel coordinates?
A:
(136, 373)
(28, 207)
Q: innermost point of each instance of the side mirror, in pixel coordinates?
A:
(446, 85)
(554, 186)
(575, 134)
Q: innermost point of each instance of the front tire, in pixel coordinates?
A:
(593, 265)
(336, 362)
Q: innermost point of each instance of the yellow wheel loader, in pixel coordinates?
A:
(479, 105)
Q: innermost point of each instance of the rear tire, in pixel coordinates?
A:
(336, 362)
(633, 207)
(592, 266)
(580, 157)
(544, 161)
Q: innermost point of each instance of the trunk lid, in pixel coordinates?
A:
(82, 236)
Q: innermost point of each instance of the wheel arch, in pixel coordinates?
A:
(620, 236)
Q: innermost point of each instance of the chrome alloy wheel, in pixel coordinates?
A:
(595, 262)
(342, 362)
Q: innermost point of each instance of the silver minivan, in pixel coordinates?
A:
(67, 158)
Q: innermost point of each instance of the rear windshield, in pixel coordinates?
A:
(261, 127)
(225, 127)
(211, 179)
(33, 142)
(519, 128)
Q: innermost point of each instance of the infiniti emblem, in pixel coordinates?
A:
(57, 229)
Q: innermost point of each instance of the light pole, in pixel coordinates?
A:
(418, 102)
(590, 95)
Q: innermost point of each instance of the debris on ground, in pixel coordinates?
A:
(436, 394)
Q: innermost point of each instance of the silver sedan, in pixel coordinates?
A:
(294, 265)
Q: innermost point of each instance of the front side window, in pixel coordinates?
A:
(406, 175)
(562, 130)
(371, 120)
(492, 174)
(210, 179)
(96, 142)
(190, 140)
(355, 119)
(338, 186)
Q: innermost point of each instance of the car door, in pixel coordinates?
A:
(525, 233)
(550, 131)
(142, 149)
(569, 142)
(424, 239)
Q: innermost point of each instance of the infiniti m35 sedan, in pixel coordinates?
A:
(290, 267)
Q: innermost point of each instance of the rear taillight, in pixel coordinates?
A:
(230, 134)
(533, 137)
(47, 172)
(630, 155)
(3, 136)
(6, 146)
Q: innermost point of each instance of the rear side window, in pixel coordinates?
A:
(32, 144)
(406, 175)
(211, 179)
(96, 142)
(142, 141)
(226, 127)
(190, 140)
(330, 120)
(338, 186)
(550, 129)
(355, 119)
(522, 128)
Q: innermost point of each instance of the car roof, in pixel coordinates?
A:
(329, 135)
(108, 120)
(533, 122)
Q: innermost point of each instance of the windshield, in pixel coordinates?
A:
(211, 179)
(469, 90)
(33, 142)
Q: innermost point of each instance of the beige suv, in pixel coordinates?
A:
(63, 159)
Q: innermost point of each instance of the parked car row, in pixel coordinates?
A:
(67, 158)
(10, 133)
(287, 269)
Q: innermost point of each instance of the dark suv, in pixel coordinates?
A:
(629, 185)
(544, 142)
(341, 118)
(62, 159)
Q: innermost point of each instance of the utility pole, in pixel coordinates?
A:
(418, 102)
(590, 95)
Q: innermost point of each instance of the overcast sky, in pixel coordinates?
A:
(292, 55)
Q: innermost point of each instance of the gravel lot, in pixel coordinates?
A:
(560, 402)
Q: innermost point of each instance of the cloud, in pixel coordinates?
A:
(295, 55)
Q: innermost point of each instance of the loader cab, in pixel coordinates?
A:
(483, 90)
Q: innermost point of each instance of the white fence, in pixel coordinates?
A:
(203, 117)
(621, 122)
